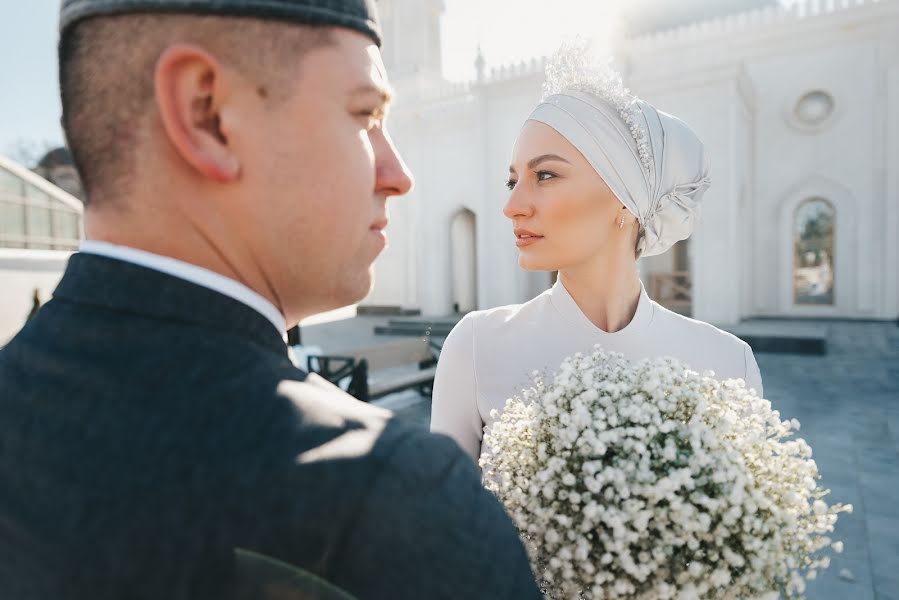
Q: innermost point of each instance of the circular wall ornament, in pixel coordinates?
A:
(814, 107)
(813, 111)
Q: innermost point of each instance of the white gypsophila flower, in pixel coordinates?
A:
(652, 481)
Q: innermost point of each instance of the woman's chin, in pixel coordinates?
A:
(529, 263)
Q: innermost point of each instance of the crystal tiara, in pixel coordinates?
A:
(575, 67)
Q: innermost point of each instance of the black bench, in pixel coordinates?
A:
(367, 370)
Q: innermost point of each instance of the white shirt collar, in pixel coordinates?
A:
(565, 304)
(192, 273)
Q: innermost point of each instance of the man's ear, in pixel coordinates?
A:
(189, 90)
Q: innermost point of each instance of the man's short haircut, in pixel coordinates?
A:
(106, 72)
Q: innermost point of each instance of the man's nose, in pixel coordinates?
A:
(393, 176)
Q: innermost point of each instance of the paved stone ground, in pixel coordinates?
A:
(848, 404)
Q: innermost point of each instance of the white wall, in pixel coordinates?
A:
(21, 271)
(890, 175)
(448, 180)
(838, 162)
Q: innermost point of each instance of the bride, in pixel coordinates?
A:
(598, 179)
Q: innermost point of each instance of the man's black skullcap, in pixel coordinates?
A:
(360, 15)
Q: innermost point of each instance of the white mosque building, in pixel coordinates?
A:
(798, 104)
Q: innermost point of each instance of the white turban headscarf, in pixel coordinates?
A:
(653, 162)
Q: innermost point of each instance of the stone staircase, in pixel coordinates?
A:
(785, 336)
(419, 326)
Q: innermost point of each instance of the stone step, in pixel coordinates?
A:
(414, 329)
(380, 311)
(785, 337)
(430, 322)
(419, 326)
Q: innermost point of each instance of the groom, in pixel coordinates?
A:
(237, 169)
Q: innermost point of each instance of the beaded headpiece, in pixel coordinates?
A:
(575, 67)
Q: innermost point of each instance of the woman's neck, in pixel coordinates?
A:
(606, 291)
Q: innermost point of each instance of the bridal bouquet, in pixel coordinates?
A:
(648, 480)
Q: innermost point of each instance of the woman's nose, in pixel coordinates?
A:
(518, 205)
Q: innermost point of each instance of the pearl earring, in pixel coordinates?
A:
(621, 223)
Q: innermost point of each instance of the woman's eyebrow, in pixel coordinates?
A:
(541, 159)
(544, 158)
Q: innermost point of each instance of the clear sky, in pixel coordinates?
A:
(29, 103)
(508, 31)
(512, 30)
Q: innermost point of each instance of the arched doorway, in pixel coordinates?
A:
(464, 256)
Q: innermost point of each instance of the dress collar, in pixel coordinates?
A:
(192, 273)
(571, 312)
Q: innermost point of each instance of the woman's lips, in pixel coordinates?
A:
(524, 239)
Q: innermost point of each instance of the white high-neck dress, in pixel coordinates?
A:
(490, 355)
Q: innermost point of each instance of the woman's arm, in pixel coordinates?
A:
(454, 404)
(753, 376)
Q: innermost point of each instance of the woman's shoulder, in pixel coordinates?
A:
(495, 321)
(510, 315)
(705, 347)
(693, 331)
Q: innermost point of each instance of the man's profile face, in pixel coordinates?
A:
(316, 171)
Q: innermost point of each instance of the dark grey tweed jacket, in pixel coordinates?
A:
(148, 426)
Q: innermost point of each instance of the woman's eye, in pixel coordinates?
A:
(511, 184)
(545, 175)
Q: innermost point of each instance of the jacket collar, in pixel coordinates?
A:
(126, 287)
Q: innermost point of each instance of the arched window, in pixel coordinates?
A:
(813, 253)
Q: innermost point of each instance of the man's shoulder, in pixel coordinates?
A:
(319, 404)
(399, 449)
(366, 430)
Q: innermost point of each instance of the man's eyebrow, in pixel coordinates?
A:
(385, 93)
(541, 159)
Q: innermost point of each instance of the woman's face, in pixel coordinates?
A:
(563, 214)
